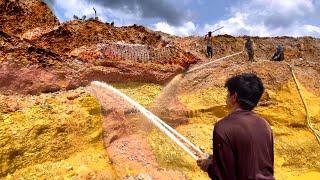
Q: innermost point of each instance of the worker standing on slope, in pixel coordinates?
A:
(250, 49)
(208, 39)
(242, 141)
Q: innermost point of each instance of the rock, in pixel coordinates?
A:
(69, 168)
(143, 177)
(73, 97)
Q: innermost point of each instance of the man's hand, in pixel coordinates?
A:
(204, 163)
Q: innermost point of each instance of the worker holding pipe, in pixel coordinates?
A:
(242, 141)
(208, 39)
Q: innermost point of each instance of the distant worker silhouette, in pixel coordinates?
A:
(250, 48)
(279, 54)
(208, 38)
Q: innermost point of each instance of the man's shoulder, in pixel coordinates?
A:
(223, 124)
(236, 119)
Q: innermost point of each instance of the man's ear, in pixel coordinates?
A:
(235, 97)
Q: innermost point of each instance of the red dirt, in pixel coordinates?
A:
(19, 16)
(21, 61)
(47, 52)
(76, 52)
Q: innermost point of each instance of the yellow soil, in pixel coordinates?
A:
(143, 93)
(285, 106)
(213, 98)
(307, 176)
(48, 131)
(58, 134)
(199, 134)
(90, 163)
(170, 156)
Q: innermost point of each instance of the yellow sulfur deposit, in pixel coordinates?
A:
(143, 93)
(307, 176)
(59, 134)
(169, 155)
(285, 106)
(212, 100)
(48, 133)
(91, 162)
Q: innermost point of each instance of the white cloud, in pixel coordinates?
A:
(313, 29)
(251, 17)
(307, 30)
(269, 18)
(66, 9)
(286, 6)
(186, 29)
(83, 7)
(258, 18)
(237, 25)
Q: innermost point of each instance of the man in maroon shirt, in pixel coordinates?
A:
(242, 141)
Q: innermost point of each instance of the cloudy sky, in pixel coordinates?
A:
(196, 17)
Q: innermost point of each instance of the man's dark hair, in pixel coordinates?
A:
(249, 89)
(209, 33)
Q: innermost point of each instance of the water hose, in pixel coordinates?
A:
(214, 61)
(162, 126)
(314, 131)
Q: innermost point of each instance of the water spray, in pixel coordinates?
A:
(180, 140)
(214, 61)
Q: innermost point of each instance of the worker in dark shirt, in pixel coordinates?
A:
(242, 141)
(279, 54)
